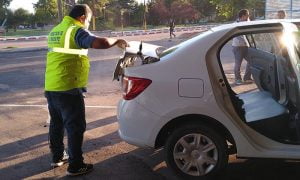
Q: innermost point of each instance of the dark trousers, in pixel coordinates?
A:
(172, 33)
(67, 111)
(240, 53)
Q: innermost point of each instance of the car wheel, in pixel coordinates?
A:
(196, 152)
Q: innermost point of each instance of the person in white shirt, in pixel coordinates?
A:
(240, 50)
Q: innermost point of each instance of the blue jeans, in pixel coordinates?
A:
(67, 111)
(240, 53)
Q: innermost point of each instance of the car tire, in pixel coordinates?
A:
(196, 152)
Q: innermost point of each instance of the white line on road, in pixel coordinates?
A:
(30, 57)
(39, 105)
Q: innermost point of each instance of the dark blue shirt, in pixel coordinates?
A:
(84, 38)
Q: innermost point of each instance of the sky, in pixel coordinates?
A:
(27, 4)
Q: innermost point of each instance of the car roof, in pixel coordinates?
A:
(271, 22)
(197, 40)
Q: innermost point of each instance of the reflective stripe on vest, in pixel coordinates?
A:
(66, 49)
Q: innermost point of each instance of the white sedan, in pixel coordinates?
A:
(182, 98)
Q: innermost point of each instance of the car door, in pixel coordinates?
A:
(291, 63)
(262, 55)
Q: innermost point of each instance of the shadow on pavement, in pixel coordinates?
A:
(136, 164)
(32, 147)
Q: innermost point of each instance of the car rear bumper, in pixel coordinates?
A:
(136, 124)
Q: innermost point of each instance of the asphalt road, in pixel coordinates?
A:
(24, 152)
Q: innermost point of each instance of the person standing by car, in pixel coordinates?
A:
(281, 14)
(240, 50)
(172, 28)
(66, 77)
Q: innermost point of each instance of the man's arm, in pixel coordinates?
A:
(104, 43)
(85, 39)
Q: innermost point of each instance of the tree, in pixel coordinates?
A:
(16, 18)
(183, 11)
(4, 3)
(95, 5)
(204, 7)
(98, 8)
(3, 9)
(120, 10)
(21, 16)
(229, 8)
(45, 11)
(10, 20)
(158, 13)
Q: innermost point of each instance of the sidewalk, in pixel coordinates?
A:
(120, 33)
(41, 45)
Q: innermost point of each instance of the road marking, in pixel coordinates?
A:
(30, 57)
(39, 105)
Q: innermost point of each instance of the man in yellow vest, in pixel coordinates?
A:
(66, 77)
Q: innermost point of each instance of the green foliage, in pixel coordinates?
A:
(4, 3)
(21, 16)
(3, 9)
(46, 11)
(228, 9)
(10, 19)
(108, 14)
(204, 7)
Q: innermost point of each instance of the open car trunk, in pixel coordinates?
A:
(137, 54)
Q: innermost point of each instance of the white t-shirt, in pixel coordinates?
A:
(240, 41)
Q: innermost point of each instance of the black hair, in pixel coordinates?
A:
(79, 10)
(243, 12)
(282, 12)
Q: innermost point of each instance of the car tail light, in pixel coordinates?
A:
(133, 86)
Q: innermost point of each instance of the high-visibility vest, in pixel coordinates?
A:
(67, 65)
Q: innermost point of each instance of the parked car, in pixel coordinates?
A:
(181, 99)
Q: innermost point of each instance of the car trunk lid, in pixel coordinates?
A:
(137, 54)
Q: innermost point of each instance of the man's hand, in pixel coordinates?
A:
(121, 43)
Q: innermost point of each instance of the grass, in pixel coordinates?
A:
(26, 32)
(39, 32)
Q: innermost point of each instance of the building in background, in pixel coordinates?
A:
(291, 7)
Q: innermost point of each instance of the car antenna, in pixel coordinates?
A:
(139, 53)
(140, 49)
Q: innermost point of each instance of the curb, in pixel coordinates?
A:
(20, 50)
(23, 38)
(158, 31)
(124, 33)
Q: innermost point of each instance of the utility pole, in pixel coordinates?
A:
(94, 14)
(291, 8)
(145, 20)
(60, 11)
(122, 19)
